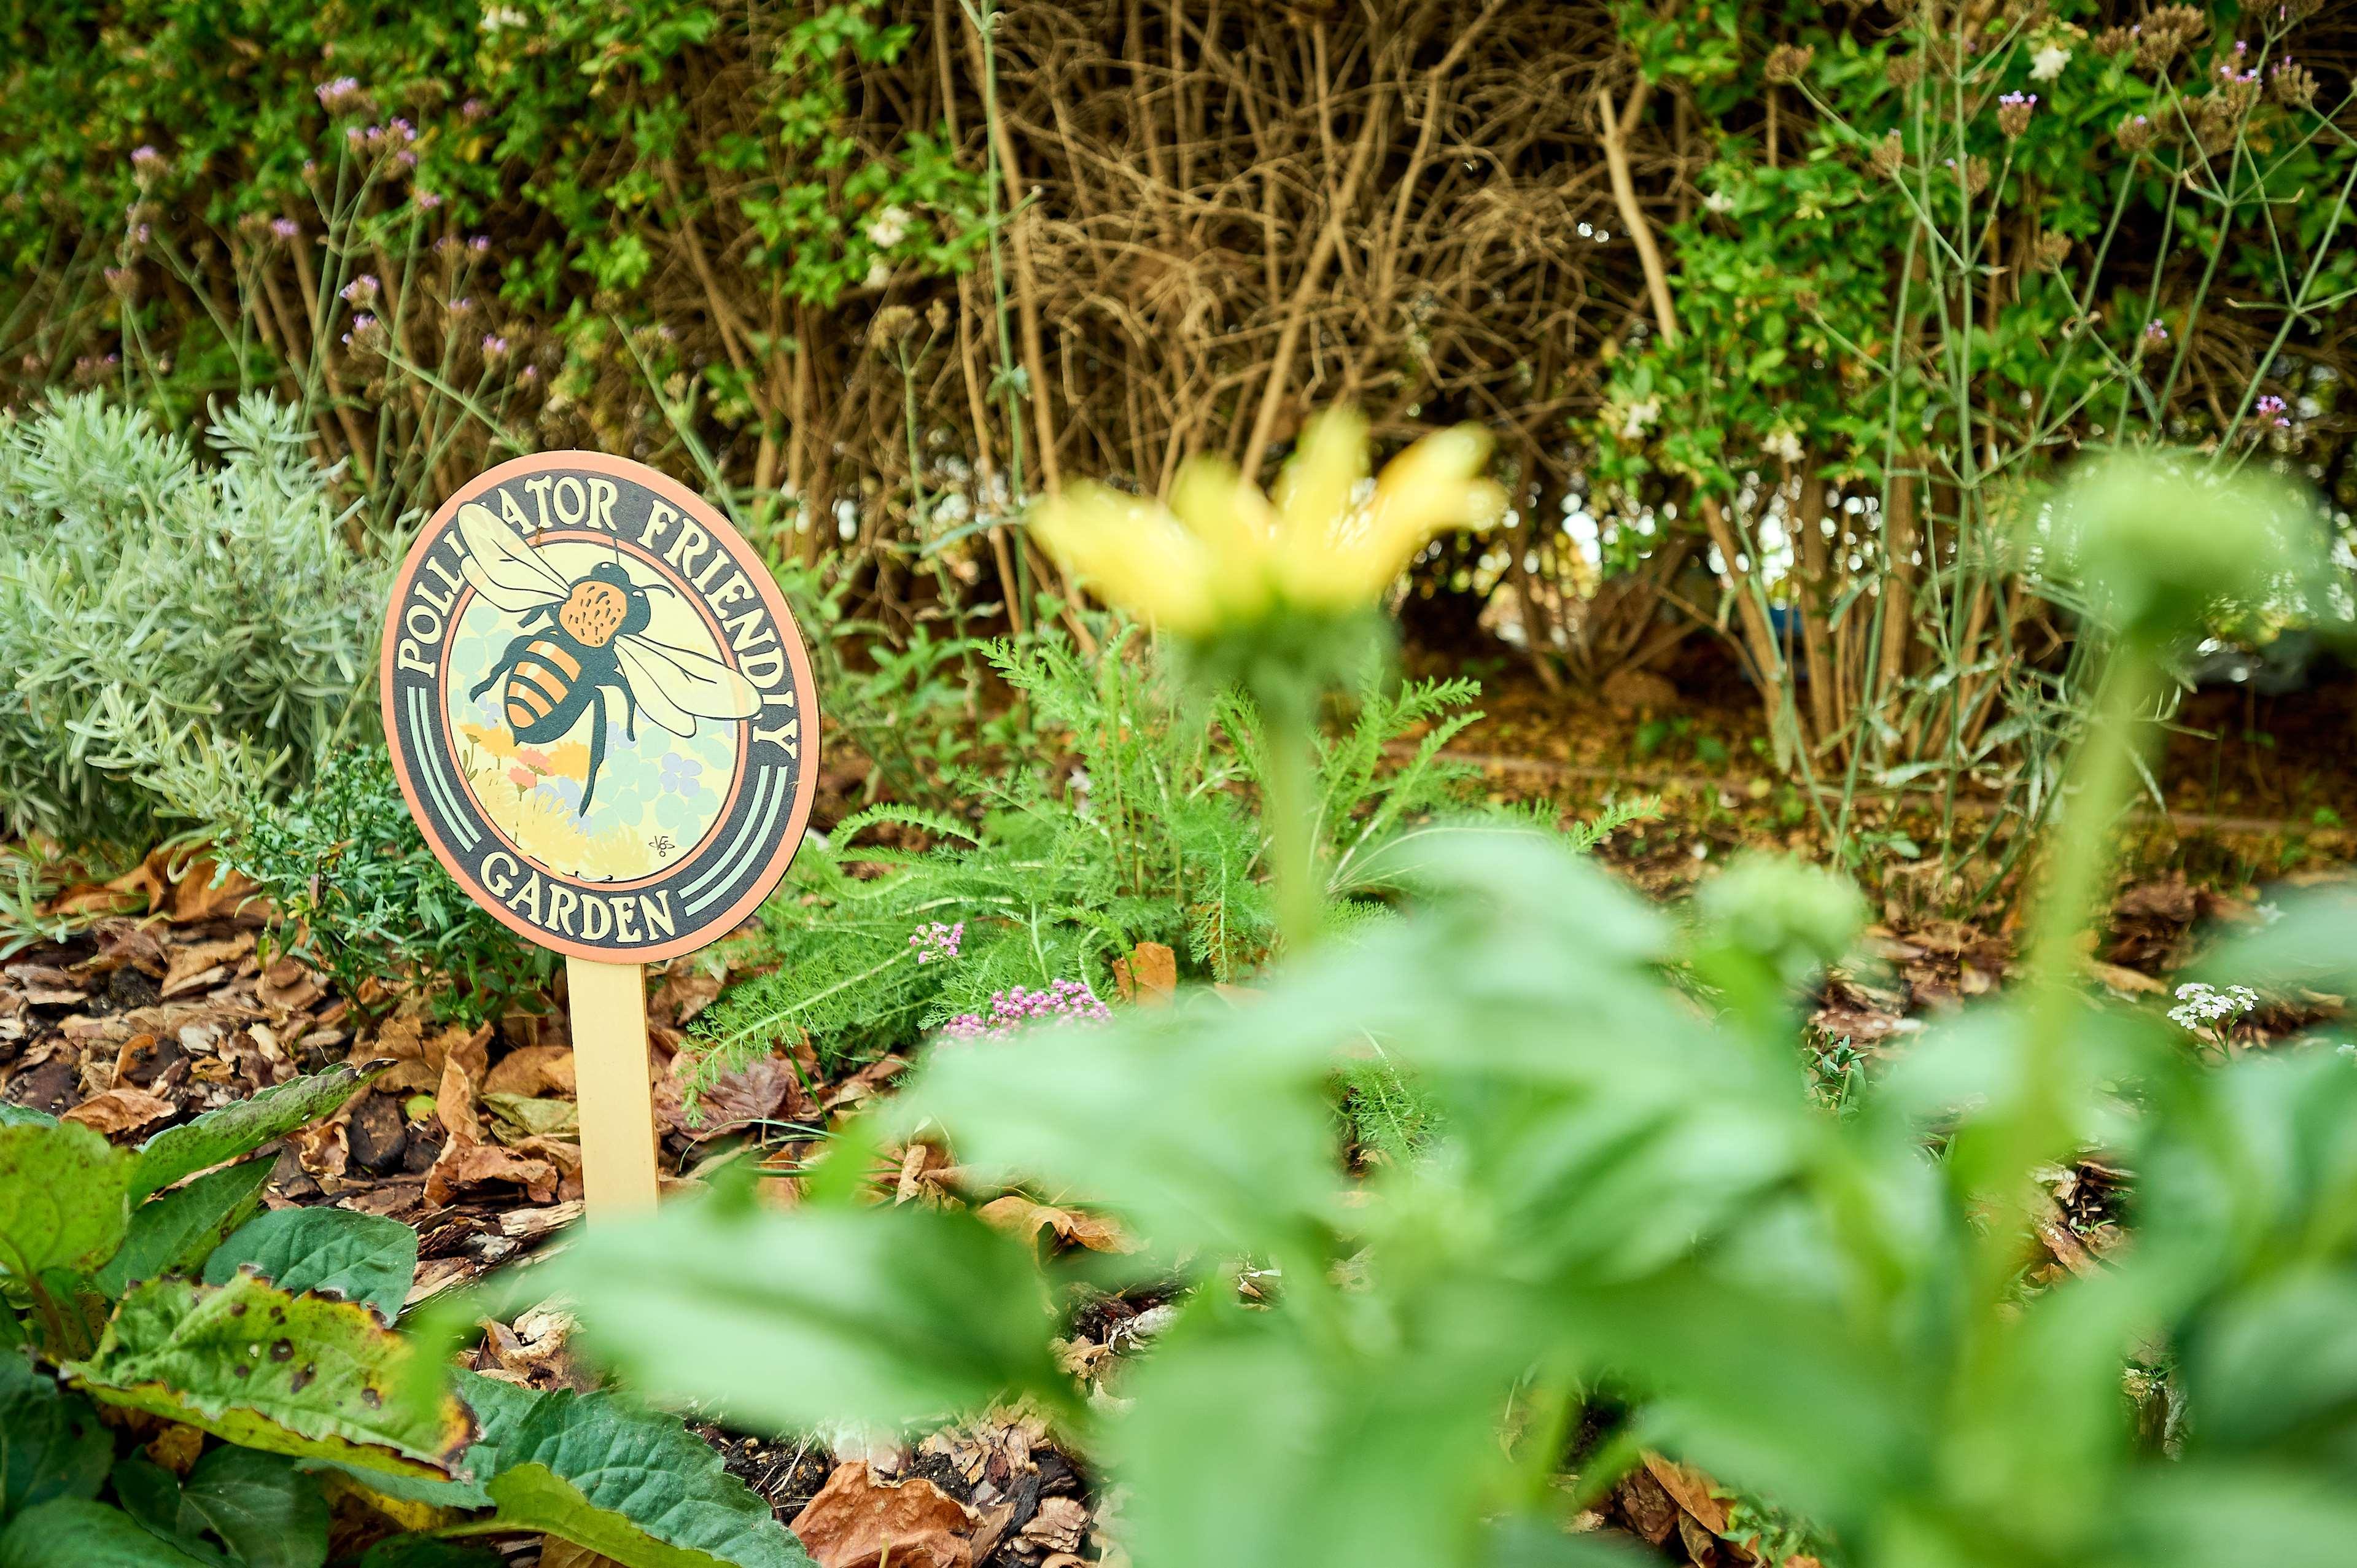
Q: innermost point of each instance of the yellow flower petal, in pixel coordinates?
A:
(1432, 485)
(1316, 489)
(1133, 553)
(1238, 531)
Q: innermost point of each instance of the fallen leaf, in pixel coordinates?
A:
(417, 1057)
(150, 881)
(196, 897)
(121, 1110)
(466, 1160)
(92, 898)
(199, 966)
(1018, 1215)
(755, 1092)
(463, 1164)
(857, 1522)
(1690, 1489)
(288, 985)
(866, 1082)
(1058, 1525)
(531, 1116)
(2127, 982)
(684, 992)
(176, 1447)
(1149, 975)
(531, 1070)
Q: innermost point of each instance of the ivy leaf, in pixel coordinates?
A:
(177, 1230)
(302, 1375)
(51, 1444)
(72, 1532)
(329, 1252)
(24, 1116)
(625, 1482)
(238, 1129)
(61, 1198)
(269, 1514)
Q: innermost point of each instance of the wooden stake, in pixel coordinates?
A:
(609, 1069)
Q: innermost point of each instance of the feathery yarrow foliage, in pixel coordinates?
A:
(1150, 837)
(171, 629)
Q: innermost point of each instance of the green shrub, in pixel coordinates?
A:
(126, 1284)
(359, 894)
(172, 632)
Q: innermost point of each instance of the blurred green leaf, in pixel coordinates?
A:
(884, 1316)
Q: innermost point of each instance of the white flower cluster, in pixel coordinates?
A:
(2206, 1007)
(1639, 417)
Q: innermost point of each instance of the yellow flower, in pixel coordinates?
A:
(1221, 553)
(570, 759)
(494, 739)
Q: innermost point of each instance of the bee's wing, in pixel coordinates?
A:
(503, 568)
(676, 686)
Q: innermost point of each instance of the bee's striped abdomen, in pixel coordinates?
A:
(538, 682)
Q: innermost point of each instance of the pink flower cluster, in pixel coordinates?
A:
(936, 940)
(1064, 1002)
(340, 96)
(2273, 407)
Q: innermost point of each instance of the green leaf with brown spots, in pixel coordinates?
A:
(61, 1198)
(301, 1375)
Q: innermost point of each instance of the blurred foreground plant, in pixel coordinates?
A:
(1632, 1219)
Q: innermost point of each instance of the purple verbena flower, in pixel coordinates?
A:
(1062, 1003)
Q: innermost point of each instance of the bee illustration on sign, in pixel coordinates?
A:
(583, 637)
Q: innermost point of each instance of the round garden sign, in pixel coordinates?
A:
(598, 708)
